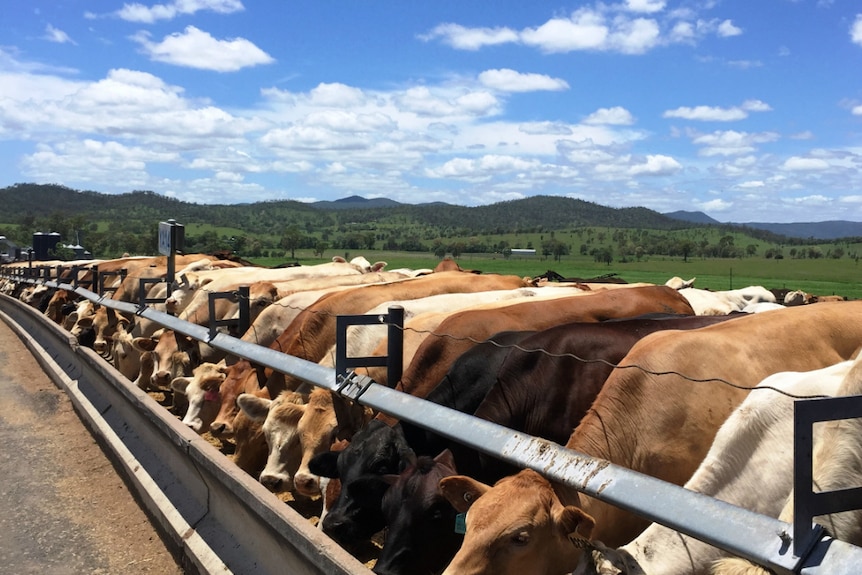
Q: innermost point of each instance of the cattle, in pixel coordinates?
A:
(544, 383)
(311, 335)
(539, 383)
(632, 423)
(60, 305)
(202, 386)
(706, 302)
(420, 521)
(677, 282)
(242, 377)
(301, 294)
(837, 464)
(173, 355)
(750, 464)
(536, 532)
(190, 286)
(319, 425)
(376, 450)
(461, 331)
(287, 406)
(279, 419)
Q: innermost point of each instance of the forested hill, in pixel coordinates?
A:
(33, 202)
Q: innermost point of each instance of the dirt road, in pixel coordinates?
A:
(63, 508)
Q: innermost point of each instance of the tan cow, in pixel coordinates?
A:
(660, 415)
(203, 385)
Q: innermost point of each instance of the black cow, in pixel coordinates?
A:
(375, 451)
(421, 537)
(464, 386)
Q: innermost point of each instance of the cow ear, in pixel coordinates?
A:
(256, 408)
(180, 384)
(339, 259)
(144, 344)
(86, 321)
(378, 266)
(574, 522)
(462, 491)
(324, 464)
(446, 459)
(390, 478)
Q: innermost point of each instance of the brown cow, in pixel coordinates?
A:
(634, 423)
(461, 331)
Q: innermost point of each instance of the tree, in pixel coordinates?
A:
(751, 250)
(320, 247)
(686, 247)
(291, 239)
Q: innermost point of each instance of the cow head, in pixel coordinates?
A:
(518, 526)
(421, 536)
(278, 419)
(318, 428)
(241, 377)
(374, 452)
(174, 355)
(202, 394)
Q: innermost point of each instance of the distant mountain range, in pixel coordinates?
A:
(27, 202)
(829, 230)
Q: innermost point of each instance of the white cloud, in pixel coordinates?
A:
(462, 38)
(599, 27)
(195, 48)
(656, 165)
(726, 29)
(707, 114)
(91, 160)
(856, 30)
(716, 205)
(507, 80)
(717, 114)
(797, 164)
(812, 200)
(731, 142)
(857, 110)
(616, 116)
(56, 35)
(137, 12)
(646, 6)
(586, 29)
(682, 32)
(751, 184)
(756, 106)
(336, 94)
(545, 128)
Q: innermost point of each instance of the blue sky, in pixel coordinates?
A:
(745, 110)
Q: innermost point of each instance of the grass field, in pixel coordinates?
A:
(816, 276)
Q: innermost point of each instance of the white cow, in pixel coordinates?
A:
(750, 464)
(705, 302)
(837, 465)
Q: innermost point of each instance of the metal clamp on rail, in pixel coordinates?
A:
(357, 384)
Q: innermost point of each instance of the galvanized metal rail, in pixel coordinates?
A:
(763, 540)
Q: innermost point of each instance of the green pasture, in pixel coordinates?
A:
(816, 276)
